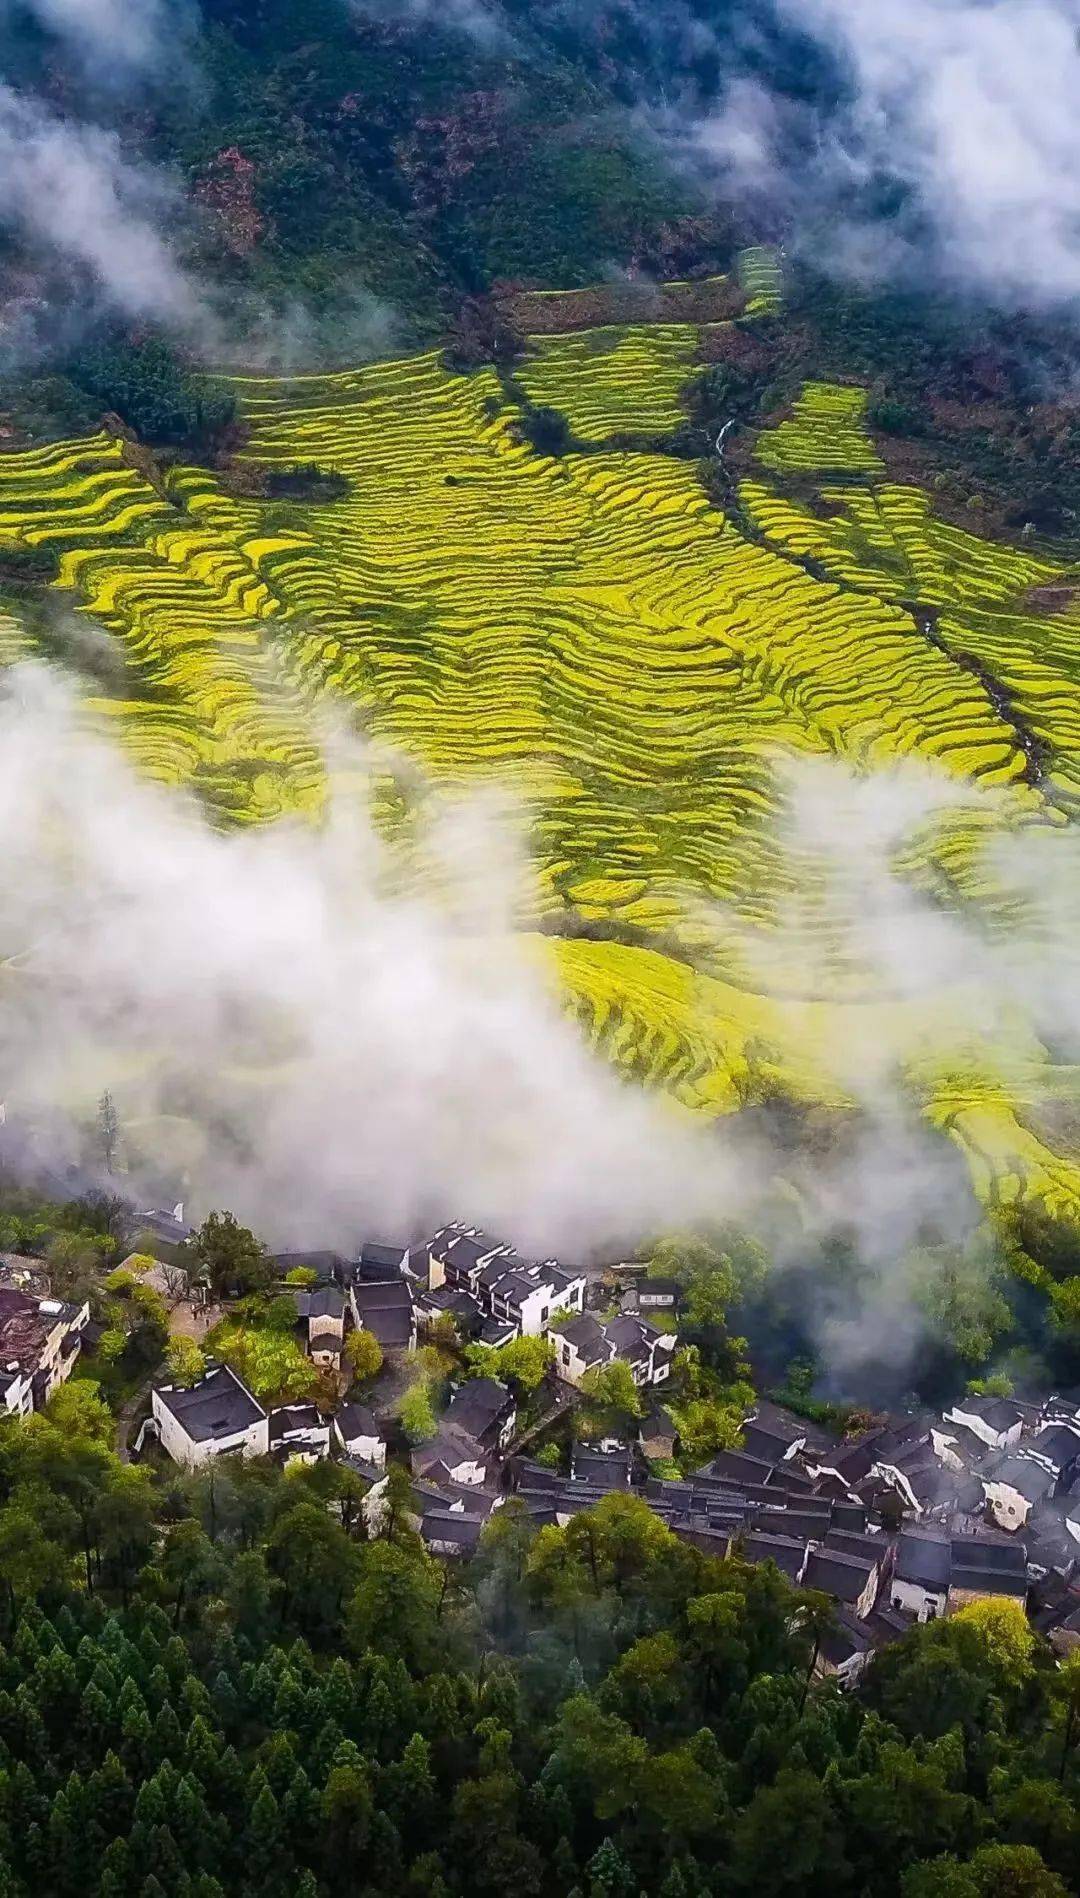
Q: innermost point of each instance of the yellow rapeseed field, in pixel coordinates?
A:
(643, 670)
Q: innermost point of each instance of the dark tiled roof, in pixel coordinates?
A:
(217, 1406)
(989, 1552)
(479, 1403)
(326, 1301)
(869, 1548)
(586, 1336)
(1058, 1443)
(1031, 1480)
(922, 1559)
(844, 1576)
(385, 1308)
(373, 1254)
(732, 1465)
(328, 1265)
(785, 1551)
(996, 1412)
(356, 1420)
(441, 1526)
(606, 1471)
(988, 1581)
(290, 1417)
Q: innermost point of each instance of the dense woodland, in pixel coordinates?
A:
(218, 1684)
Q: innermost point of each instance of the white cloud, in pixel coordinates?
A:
(968, 105)
(349, 1059)
(69, 189)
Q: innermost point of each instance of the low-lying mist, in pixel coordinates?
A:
(353, 1057)
(292, 1031)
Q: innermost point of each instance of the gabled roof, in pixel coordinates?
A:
(479, 1403)
(988, 1581)
(385, 1308)
(325, 1301)
(922, 1559)
(990, 1552)
(867, 1548)
(328, 1265)
(441, 1455)
(734, 1467)
(442, 1526)
(997, 1413)
(354, 1421)
(372, 1253)
(465, 1250)
(1029, 1479)
(290, 1419)
(600, 1467)
(844, 1576)
(587, 1338)
(786, 1551)
(219, 1405)
(1059, 1443)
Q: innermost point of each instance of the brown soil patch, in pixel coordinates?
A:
(715, 300)
(1052, 599)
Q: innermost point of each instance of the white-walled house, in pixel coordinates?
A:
(299, 1433)
(919, 1584)
(451, 1456)
(587, 1345)
(218, 1416)
(997, 1422)
(358, 1435)
(1013, 1486)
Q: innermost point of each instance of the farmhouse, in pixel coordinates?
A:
(986, 1568)
(587, 1345)
(217, 1416)
(994, 1421)
(40, 1339)
(323, 1313)
(485, 1410)
(358, 1435)
(1057, 1449)
(299, 1434)
(1012, 1486)
(452, 1456)
(920, 1577)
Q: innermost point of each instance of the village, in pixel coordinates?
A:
(903, 1522)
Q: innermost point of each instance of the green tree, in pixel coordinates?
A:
(108, 1129)
(416, 1414)
(523, 1363)
(230, 1256)
(363, 1354)
(612, 1395)
(184, 1361)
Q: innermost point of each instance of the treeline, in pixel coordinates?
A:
(219, 1684)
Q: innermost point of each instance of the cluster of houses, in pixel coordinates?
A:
(397, 1292)
(491, 1293)
(906, 1522)
(40, 1337)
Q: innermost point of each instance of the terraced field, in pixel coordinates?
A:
(646, 671)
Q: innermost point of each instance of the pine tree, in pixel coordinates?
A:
(116, 1879)
(384, 1847)
(609, 1874)
(264, 1841)
(564, 1863)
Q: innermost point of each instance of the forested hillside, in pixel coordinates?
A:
(220, 1684)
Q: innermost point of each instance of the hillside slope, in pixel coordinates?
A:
(644, 668)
